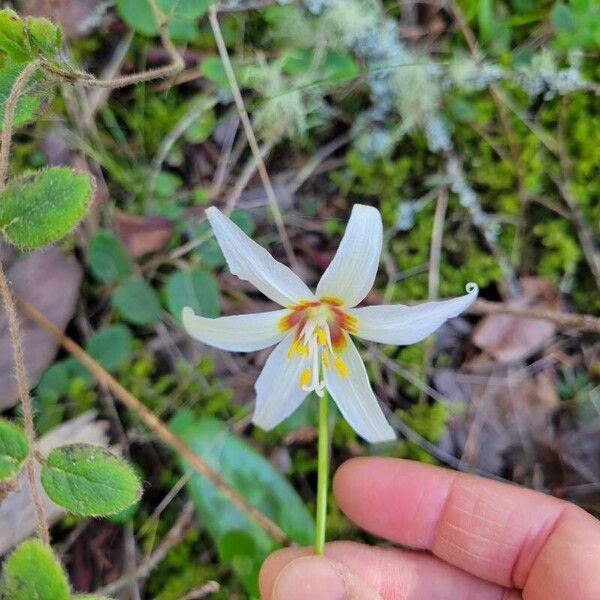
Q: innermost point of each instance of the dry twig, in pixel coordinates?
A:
(154, 423)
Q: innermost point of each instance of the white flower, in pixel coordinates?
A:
(314, 348)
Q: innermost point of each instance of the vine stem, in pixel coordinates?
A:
(23, 387)
(322, 474)
(9, 113)
(11, 313)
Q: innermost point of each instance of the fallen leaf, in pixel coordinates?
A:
(49, 280)
(508, 338)
(76, 17)
(142, 234)
(17, 518)
(507, 417)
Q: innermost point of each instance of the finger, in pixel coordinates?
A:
(390, 573)
(311, 577)
(508, 535)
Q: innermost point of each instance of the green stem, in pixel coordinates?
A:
(322, 474)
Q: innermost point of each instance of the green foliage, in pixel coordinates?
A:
(39, 208)
(32, 571)
(181, 16)
(111, 346)
(577, 24)
(23, 39)
(137, 301)
(239, 540)
(14, 449)
(195, 288)
(89, 480)
(107, 258)
(28, 104)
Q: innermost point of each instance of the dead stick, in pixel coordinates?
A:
(154, 423)
(562, 319)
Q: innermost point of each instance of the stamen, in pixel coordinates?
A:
(325, 358)
(340, 365)
(304, 378)
(321, 337)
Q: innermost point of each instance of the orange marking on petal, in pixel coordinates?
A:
(332, 300)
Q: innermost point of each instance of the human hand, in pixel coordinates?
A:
(486, 541)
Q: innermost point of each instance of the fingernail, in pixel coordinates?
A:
(309, 578)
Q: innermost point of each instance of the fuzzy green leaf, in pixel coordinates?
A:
(107, 257)
(28, 105)
(137, 301)
(89, 480)
(110, 346)
(197, 288)
(13, 449)
(13, 37)
(44, 35)
(32, 571)
(41, 207)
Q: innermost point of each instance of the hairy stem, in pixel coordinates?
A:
(23, 388)
(11, 313)
(9, 113)
(322, 474)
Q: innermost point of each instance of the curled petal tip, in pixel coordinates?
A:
(472, 288)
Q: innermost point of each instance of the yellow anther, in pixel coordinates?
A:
(304, 378)
(297, 346)
(325, 358)
(321, 337)
(340, 365)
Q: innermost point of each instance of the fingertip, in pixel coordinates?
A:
(273, 566)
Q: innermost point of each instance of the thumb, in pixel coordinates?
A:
(313, 577)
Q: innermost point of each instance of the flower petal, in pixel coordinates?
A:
(250, 261)
(352, 271)
(353, 394)
(278, 393)
(240, 333)
(399, 324)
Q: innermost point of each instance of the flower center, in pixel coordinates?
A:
(320, 327)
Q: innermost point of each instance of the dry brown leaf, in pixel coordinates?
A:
(142, 234)
(48, 279)
(508, 416)
(508, 338)
(76, 17)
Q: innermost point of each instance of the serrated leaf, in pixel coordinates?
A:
(89, 480)
(238, 538)
(111, 346)
(33, 572)
(137, 301)
(41, 207)
(28, 104)
(196, 288)
(13, 449)
(13, 37)
(43, 35)
(107, 257)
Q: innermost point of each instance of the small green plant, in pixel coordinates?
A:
(39, 208)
